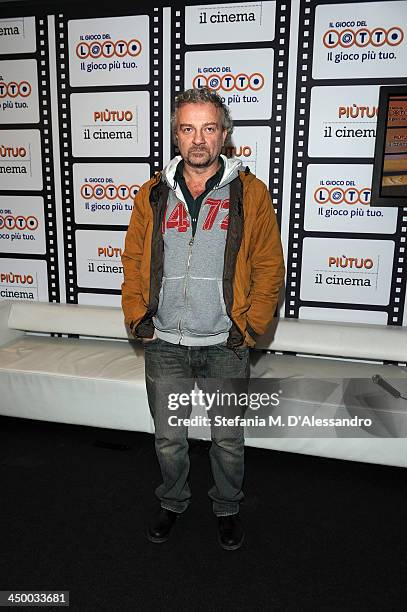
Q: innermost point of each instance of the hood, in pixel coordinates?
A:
(231, 170)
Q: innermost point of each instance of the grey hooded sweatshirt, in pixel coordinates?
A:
(191, 309)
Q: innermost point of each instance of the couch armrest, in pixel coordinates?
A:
(6, 333)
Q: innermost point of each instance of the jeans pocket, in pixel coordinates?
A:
(150, 342)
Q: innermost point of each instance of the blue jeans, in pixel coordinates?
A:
(172, 367)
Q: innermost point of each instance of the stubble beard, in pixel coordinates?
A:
(200, 162)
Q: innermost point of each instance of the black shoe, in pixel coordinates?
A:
(230, 532)
(159, 529)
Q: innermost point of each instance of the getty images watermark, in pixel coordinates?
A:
(230, 409)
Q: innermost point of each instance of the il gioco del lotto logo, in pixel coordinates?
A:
(337, 195)
(361, 36)
(107, 48)
(19, 222)
(110, 191)
(13, 90)
(229, 81)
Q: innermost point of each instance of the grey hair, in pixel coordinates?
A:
(202, 95)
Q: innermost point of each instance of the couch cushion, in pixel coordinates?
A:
(87, 382)
(83, 358)
(103, 321)
(284, 366)
(354, 340)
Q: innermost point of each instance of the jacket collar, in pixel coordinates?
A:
(230, 171)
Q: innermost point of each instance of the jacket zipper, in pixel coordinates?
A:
(191, 242)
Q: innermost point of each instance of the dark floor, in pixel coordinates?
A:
(321, 534)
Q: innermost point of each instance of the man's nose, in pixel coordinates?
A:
(199, 137)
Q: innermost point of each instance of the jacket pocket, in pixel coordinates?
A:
(205, 312)
(170, 304)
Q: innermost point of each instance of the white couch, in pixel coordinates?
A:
(98, 378)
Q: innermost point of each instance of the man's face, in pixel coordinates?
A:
(199, 133)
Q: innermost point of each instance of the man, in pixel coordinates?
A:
(203, 266)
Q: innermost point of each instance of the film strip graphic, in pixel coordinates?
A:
(177, 55)
(47, 193)
(280, 47)
(301, 164)
(157, 88)
(47, 160)
(150, 95)
(61, 44)
(279, 104)
(399, 275)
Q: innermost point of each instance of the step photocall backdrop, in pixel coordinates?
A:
(85, 101)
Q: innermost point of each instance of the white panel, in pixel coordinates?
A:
(109, 51)
(20, 159)
(18, 91)
(17, 35)
(337, 200)
(23, 279)
(338, 126)
(98, 258)
(230, 23)
(360, 40)
(104, 193)
(123, 132)
(243, 78)
(22, 224)
(350, 271)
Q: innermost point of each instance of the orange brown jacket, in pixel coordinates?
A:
(253, 269)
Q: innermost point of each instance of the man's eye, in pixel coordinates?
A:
(210, 129)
